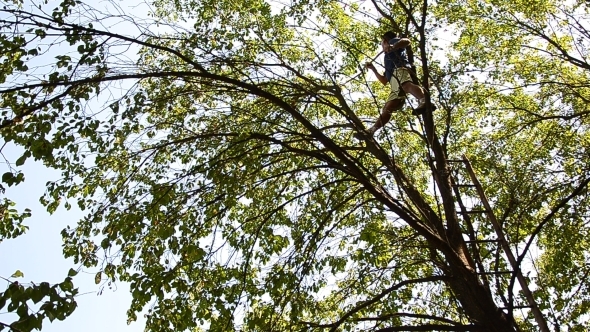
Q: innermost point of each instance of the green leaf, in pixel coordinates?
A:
(20, 161)
(72, 273)
(45, 287)
(12, 306)
(8, 178)
(37, 295)
(17, 274)
(66, 285)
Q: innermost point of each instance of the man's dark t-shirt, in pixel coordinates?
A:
(395, 59)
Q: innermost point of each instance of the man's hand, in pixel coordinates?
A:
(381, 78)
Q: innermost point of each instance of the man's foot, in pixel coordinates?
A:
(423, 107)
(418, 111)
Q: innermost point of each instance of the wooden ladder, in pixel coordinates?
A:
(500, 240)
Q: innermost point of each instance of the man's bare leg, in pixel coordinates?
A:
(385, 116)
(417, 92)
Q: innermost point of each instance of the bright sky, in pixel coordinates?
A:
(38, 255)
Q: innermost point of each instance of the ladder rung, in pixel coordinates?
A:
(492, 273)
(455, 160)
(481, 241)
(517, 307)
(472, 211)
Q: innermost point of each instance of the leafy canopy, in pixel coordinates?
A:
(211, 145)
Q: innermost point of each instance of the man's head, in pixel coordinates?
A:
(389, 35)
(385, 38)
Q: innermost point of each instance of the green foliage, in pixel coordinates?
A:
(225, 186)
(56, 302)
(11, 221)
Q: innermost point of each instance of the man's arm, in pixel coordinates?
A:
(402, 43)
(380, 77)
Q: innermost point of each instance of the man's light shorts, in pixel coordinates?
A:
(400, 76)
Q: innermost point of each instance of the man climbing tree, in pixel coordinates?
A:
(397, 74)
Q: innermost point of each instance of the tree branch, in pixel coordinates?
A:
(432, 327)
(406, 314)
(542, 224)
(12, 328)
(334, 326)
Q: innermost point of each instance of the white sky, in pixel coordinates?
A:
(38, 254)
